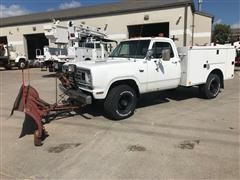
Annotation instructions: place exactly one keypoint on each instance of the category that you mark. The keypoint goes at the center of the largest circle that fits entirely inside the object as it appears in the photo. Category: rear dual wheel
(212, 87)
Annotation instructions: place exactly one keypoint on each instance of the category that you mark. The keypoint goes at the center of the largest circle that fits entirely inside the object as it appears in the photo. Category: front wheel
(22, 64)
(211, 89)
(120, 102)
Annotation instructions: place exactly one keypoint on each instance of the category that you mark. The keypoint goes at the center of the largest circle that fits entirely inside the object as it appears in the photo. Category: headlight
(88, 77)
(64, 68)
(72, 68)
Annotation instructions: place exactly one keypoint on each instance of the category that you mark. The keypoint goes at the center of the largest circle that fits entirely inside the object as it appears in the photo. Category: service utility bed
(198, 61)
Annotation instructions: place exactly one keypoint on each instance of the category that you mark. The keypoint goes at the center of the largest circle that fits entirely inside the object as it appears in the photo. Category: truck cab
(9, 57)
(157, 71)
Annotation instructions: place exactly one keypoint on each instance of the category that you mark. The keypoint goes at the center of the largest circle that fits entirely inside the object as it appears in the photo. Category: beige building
(176, 19)
(235, 34)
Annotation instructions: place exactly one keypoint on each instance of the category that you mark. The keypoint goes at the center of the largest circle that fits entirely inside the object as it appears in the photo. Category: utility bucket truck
(143, 65)
(54, 57)
(78, 42)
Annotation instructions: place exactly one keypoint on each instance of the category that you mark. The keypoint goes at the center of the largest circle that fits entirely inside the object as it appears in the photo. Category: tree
(221, 33)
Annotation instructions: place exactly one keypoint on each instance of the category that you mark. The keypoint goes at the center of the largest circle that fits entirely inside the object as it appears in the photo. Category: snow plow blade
(28, 101)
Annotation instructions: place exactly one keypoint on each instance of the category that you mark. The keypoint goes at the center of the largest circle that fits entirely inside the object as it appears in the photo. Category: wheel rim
(22, 65)
(214, 87)
(125, 103)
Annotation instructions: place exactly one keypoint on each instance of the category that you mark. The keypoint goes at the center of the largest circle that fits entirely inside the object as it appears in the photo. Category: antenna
(200, 5)
(105, 28)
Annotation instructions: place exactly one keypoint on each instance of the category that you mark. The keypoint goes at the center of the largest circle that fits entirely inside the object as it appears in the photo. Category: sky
(224, 11)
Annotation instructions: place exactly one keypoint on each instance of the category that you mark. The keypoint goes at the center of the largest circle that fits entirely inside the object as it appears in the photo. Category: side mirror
(149, 54)
(166, 55)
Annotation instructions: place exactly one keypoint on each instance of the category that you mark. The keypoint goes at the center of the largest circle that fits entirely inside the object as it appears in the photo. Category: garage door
(35, 41)
(149, 30)
(3, 39)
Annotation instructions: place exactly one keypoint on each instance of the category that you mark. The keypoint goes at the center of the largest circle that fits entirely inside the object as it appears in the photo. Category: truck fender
(20, 58)
(219, 73)
(131, 81)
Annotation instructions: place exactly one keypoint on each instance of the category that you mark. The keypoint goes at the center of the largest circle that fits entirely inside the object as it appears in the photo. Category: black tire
(120, 102)
(8, 67)
(212, 87)
(22, 63)
(50, 69)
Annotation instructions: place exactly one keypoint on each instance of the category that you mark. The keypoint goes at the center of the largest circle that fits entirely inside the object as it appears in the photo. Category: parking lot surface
(172, 135)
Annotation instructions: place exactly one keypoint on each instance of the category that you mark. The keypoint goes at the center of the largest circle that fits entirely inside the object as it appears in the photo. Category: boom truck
(142, 65)
(74, 43)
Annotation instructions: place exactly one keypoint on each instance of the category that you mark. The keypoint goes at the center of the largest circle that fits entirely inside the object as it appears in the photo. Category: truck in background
(51, 56)
(74, 43)
(9, 57)
(237, 60)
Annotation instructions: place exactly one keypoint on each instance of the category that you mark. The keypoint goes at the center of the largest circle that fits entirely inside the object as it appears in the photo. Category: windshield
(131, 49)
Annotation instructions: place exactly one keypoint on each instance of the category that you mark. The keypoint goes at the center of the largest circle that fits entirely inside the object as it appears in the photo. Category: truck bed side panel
(229, 67)
(198, 62)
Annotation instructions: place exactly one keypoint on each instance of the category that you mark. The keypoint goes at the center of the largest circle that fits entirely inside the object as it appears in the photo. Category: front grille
(78, 78)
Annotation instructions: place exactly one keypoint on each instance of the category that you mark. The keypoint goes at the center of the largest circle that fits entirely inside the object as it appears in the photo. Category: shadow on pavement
(146, 100)
(178, 94)
(96, 110)
(53, 75)
(28, 126)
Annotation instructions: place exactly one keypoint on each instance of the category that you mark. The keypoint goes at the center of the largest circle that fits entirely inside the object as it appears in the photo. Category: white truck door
(163, 74)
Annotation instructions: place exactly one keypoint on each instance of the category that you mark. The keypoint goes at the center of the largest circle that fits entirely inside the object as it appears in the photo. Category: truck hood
(103, 63)
(104, 73)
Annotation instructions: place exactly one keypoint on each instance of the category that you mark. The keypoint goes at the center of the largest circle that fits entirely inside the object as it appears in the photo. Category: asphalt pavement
(172, 135)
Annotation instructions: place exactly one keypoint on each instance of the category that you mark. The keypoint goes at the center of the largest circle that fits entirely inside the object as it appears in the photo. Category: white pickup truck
(143, 65)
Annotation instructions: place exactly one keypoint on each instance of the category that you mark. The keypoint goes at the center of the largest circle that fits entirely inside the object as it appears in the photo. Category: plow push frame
(29, 102)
